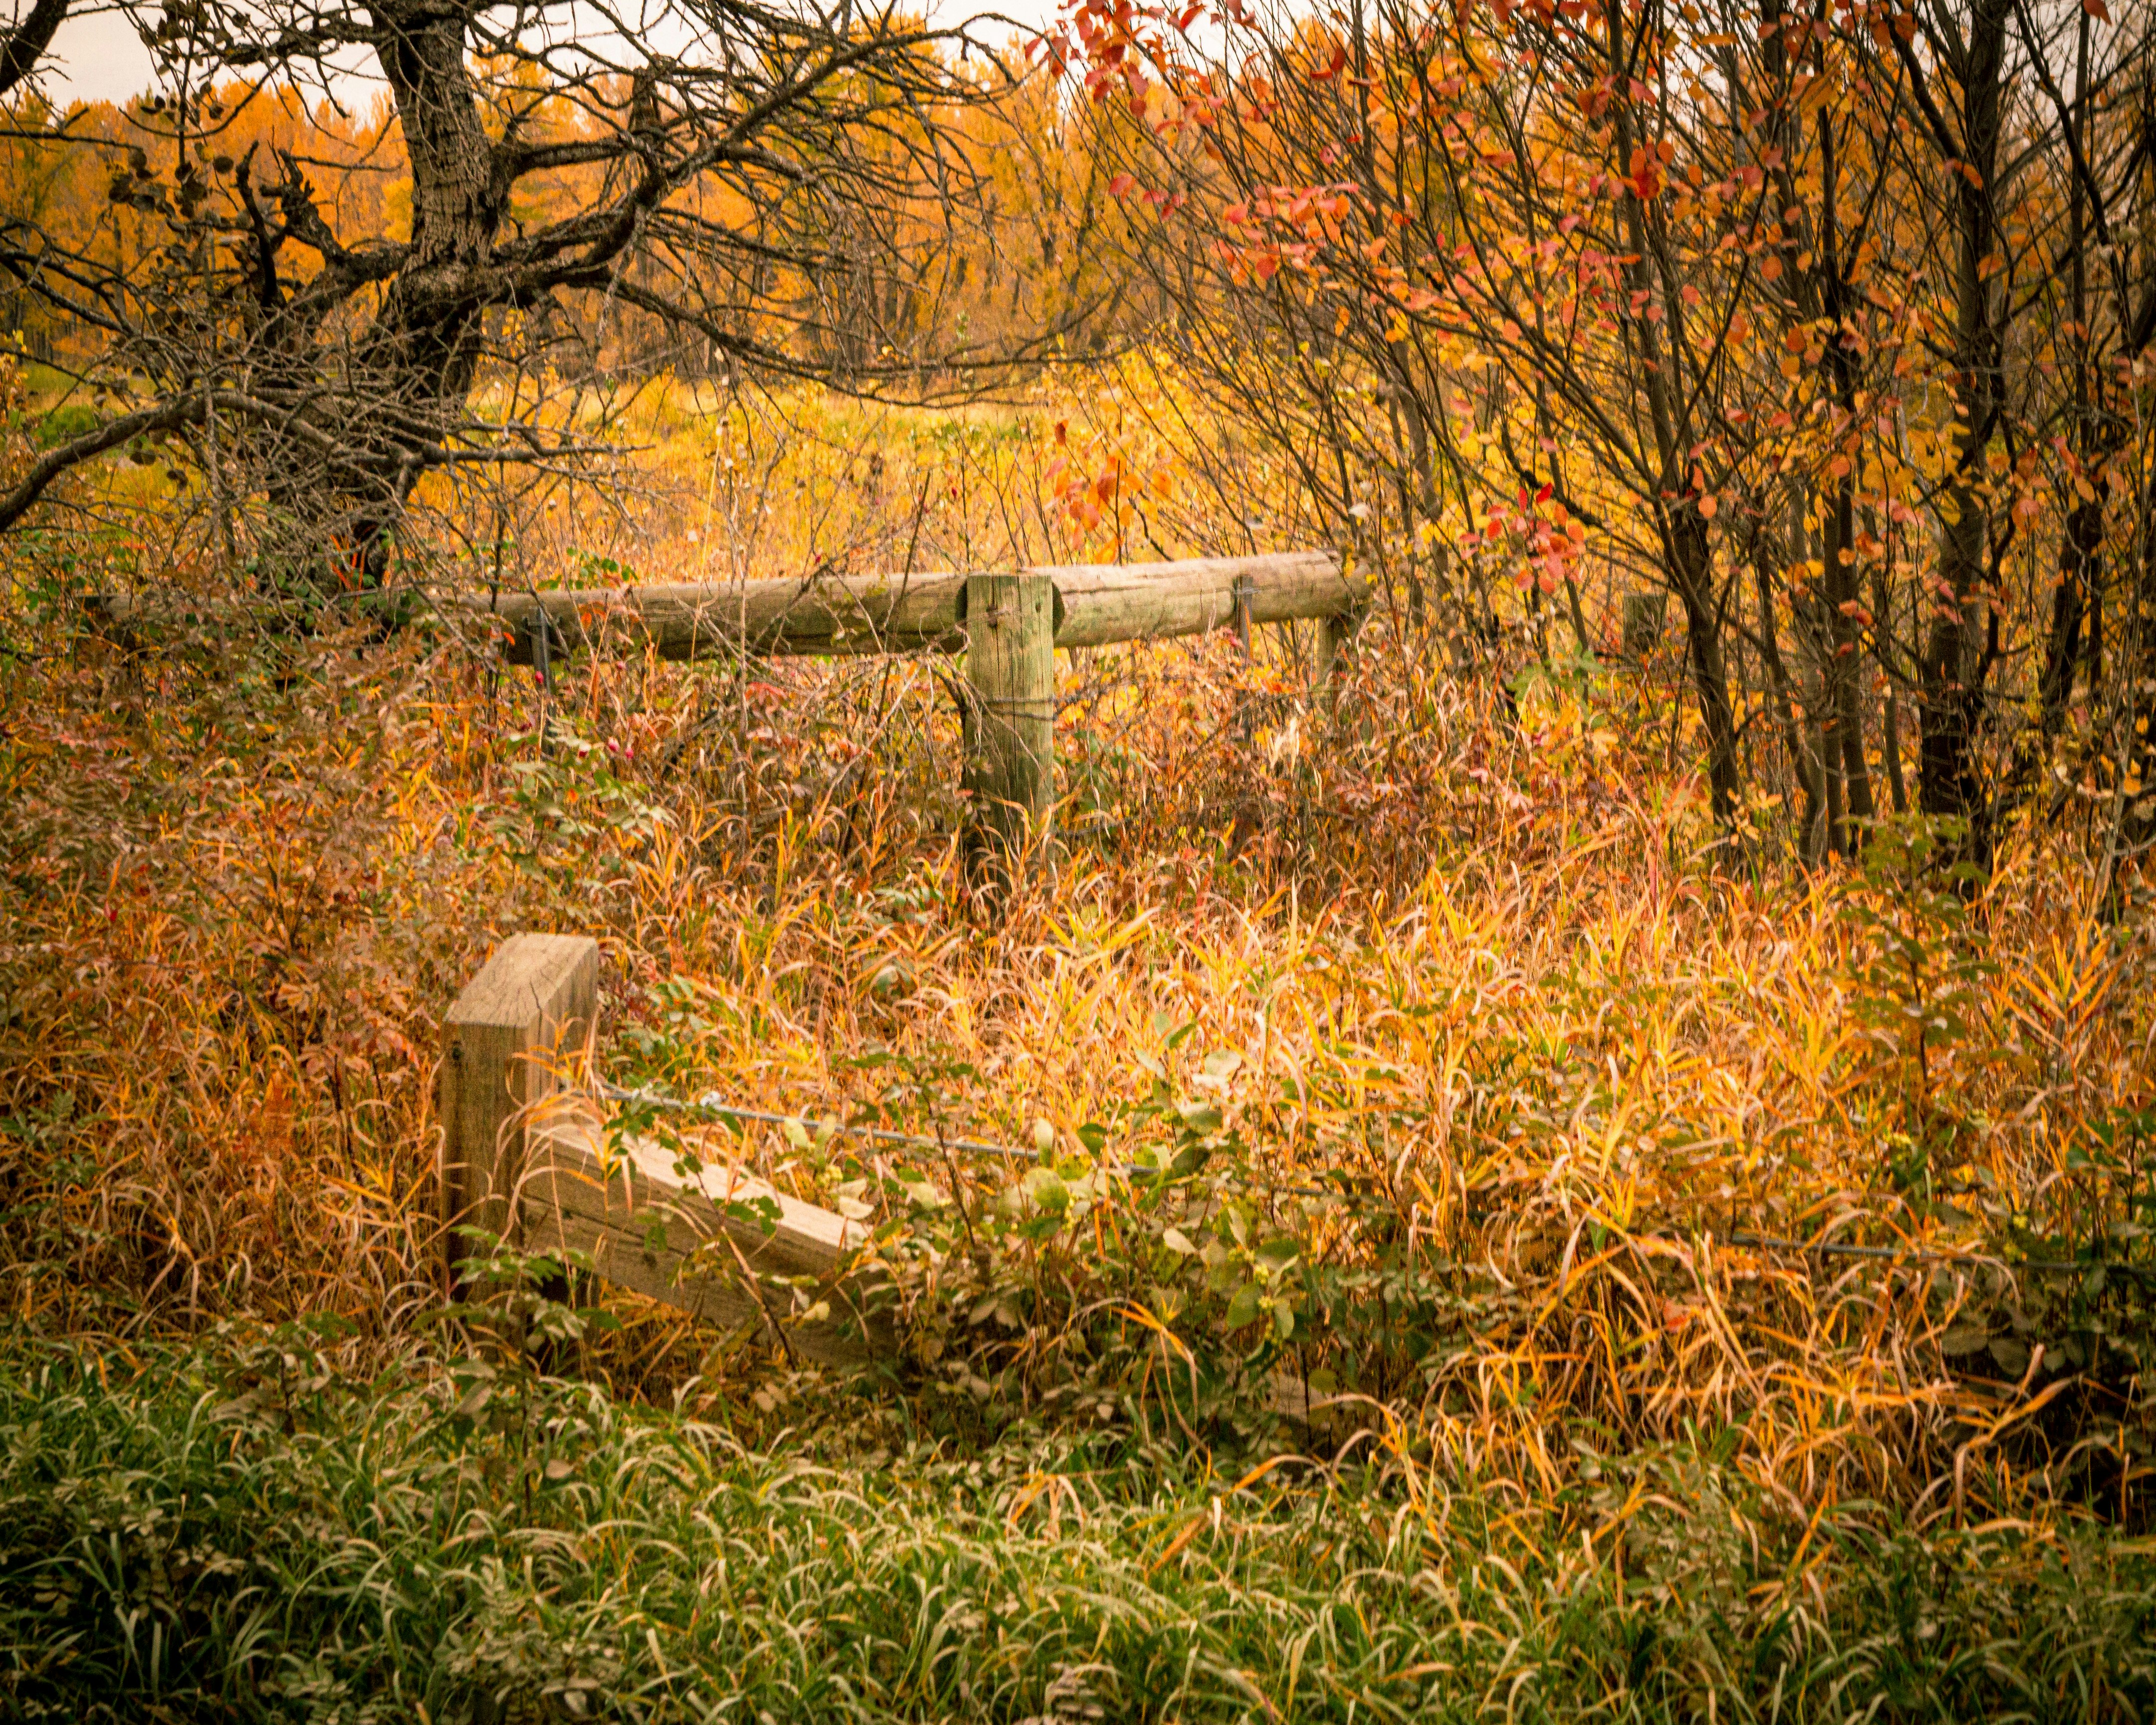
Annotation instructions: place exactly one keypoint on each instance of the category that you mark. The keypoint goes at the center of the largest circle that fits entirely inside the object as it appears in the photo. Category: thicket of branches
(1833, 323)
(772, 191)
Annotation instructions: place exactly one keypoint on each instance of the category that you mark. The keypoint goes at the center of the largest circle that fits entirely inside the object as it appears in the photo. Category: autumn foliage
(1585, 1036)
(1832, 325)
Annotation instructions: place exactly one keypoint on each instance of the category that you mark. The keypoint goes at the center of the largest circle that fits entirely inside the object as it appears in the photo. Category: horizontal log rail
(1096, 605)
(1008, 624)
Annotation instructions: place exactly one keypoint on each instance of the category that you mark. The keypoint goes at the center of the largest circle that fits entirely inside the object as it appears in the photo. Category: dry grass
(1460, 951)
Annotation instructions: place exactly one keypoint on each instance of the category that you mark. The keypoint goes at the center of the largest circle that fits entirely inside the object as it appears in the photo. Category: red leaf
(2097, 10)
(1120, 185)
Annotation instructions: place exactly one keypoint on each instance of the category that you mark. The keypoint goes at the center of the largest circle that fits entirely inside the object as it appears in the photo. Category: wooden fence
(531, 1163)
(1008, 626)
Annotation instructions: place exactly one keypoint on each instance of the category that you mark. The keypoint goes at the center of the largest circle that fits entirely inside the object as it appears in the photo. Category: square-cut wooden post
(538, 993)
(1010, 664)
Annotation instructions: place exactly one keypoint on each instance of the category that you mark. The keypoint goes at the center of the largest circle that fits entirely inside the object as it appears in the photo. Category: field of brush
(1730, 1281)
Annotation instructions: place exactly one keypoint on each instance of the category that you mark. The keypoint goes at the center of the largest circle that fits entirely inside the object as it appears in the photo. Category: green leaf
(1188, 1160)
(1244, 1307)
(1045, 1191)
(1199, 1116)
(760, 1213)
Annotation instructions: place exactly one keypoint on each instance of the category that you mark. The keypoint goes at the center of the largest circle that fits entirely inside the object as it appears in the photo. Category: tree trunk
(2074, 602)
(1688, 555)
(1953, 665)
(1692, 564)
(414, 364)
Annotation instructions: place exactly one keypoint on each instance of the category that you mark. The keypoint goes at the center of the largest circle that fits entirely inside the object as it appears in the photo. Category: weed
(243, 1530)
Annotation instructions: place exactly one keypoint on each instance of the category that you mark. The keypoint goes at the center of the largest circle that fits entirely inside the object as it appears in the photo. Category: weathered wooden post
(1010, 666)
(1336, 641)
(537, 993)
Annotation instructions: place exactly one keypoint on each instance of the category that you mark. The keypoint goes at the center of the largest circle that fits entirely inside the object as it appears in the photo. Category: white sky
(97, 56)
(97, 59)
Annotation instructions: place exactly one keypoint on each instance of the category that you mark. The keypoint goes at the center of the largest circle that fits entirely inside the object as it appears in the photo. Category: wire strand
(709, 1103)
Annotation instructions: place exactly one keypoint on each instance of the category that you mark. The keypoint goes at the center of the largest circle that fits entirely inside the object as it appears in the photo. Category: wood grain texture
(1107, 603)
(681, 1237)
(1098, 603)
(1010, 670)
(537, 995)
(833, 616)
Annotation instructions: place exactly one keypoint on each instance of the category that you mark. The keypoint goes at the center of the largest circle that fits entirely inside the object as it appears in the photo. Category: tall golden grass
(1461, 941)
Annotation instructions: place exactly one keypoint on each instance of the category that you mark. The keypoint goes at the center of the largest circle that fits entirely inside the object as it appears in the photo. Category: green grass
(236, 1531)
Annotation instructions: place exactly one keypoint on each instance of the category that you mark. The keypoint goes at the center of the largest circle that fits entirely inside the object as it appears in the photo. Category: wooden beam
(1010, 670)
(830, 618)
(1098, 603)
(1107, 603)
(695, 1238)
(1336, 646)
(537, 995)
